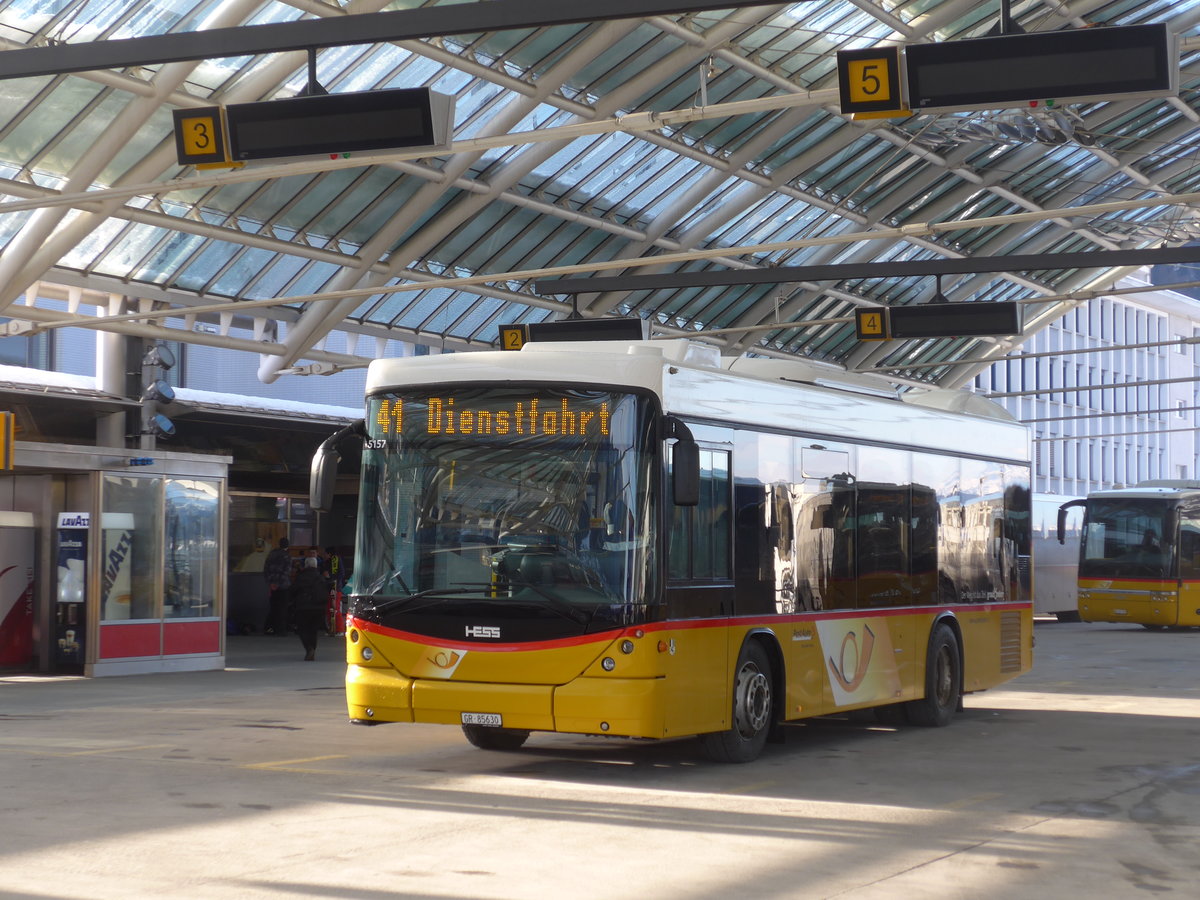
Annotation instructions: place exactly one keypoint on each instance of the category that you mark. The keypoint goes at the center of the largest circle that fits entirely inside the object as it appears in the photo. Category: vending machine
(16, 589)
(70, 613)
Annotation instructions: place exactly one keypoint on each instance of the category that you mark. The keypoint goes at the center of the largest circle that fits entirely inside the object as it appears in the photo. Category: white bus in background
(1055, 565)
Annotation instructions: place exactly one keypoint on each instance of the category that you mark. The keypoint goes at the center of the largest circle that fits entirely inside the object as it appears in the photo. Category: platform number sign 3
(199, 136)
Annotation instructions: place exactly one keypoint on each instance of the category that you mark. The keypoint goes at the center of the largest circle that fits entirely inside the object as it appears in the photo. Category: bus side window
(700, 534)
(1189, 549)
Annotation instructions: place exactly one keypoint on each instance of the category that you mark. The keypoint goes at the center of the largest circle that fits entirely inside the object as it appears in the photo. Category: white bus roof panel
(691, 383)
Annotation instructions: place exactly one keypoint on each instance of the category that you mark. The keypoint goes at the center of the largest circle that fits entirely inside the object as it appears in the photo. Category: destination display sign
(488, 416)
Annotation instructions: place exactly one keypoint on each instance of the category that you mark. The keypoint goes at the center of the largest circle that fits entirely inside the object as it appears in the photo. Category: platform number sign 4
(871, 324)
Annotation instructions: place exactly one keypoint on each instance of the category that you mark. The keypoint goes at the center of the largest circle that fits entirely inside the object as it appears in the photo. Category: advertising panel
(116, 553)
(70, 616)
(16, 589)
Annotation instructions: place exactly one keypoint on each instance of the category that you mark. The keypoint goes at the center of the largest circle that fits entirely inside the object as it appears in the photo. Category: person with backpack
(309, 595)
(277, 571)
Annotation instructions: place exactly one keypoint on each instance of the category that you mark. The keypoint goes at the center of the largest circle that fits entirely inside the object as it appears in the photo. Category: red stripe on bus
(1095, 584)
(579, 640)
(679, 625)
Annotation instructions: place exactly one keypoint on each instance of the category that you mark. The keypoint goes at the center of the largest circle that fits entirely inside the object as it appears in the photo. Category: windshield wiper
(439, 593)
(381, 582)
(558, 605)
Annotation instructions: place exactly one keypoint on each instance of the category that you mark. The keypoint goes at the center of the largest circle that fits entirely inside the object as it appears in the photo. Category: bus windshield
(506, 502)
(1128, 538)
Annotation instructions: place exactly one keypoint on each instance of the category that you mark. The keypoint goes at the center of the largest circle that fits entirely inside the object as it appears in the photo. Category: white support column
(110, 375)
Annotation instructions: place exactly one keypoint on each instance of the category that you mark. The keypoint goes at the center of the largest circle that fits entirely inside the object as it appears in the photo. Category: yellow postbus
(1139, 555)
(642, 539)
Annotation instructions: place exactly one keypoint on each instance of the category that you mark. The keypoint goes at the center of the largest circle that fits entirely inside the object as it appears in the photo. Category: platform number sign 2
(869, 80)
(513, 337)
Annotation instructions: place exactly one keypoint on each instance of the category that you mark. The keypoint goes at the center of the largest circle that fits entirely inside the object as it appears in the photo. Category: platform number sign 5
(869, 80)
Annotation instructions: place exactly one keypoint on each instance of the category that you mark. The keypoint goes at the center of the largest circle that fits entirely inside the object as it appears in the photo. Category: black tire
(1070, 615)
(753, 710)
(1149, 627)
(485, 738)
(943, 681)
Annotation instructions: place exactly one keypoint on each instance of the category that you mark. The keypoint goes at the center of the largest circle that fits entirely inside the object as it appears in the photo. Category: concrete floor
(1081, 779)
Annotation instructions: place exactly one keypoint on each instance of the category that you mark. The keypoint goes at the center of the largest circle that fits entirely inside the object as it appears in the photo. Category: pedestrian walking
(309, 595)
(277, 571)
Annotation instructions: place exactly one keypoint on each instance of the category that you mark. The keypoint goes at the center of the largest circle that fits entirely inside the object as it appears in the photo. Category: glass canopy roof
(443, 248)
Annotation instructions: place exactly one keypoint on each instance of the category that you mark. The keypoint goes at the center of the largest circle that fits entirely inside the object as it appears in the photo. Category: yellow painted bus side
(674, 679)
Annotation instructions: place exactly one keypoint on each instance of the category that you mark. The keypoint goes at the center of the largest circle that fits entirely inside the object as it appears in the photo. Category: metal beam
(1083, 389)
(338, 31)
(1022, 357)
(1118, 434)
(1091, 259)
(1131, 413)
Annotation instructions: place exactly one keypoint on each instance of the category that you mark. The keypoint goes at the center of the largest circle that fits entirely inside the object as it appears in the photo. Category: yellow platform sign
(7, 430)
(869, 81)
(513, 337)
(200, 137)
(871, 324)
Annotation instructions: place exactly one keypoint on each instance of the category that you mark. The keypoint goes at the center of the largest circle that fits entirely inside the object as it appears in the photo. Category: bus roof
(692, 380)
(1150, 490)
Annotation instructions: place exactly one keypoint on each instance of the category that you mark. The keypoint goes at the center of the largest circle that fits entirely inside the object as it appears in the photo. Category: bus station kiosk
(117, 561)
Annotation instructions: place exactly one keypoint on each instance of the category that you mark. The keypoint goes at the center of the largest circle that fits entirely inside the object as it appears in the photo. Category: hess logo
(483, 631)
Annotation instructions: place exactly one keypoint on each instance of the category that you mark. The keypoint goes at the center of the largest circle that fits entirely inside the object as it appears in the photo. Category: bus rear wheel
(486, 738)
(943, 681)
(753, 710)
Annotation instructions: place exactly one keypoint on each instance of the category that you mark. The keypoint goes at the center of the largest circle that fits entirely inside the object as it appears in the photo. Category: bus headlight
(368, 654)
(608, 664)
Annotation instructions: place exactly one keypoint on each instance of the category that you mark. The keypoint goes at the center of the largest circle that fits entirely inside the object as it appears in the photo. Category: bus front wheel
(486, 738)
(943, 681)
(753, 709)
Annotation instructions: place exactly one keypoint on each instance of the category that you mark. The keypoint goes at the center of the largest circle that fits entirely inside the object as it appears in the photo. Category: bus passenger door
(1189, 564)
(699, 595)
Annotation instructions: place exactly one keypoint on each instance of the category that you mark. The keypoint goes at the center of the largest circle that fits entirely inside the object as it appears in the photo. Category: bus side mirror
(685, 473)
(323, 474)
(321, 478)
(685, 464)
(1062, 518)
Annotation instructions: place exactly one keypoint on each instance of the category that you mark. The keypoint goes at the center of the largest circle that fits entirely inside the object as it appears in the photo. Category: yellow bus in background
(1139, 556)
(643, 539)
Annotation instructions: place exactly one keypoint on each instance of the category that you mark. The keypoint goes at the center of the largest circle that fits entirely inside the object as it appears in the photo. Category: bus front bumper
(1140, 608)
(629, 707)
